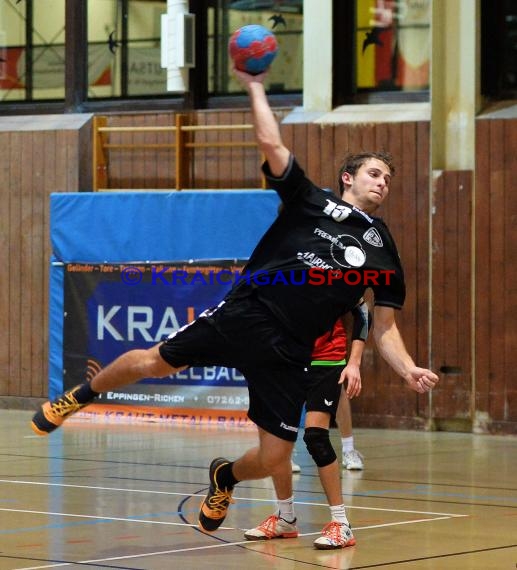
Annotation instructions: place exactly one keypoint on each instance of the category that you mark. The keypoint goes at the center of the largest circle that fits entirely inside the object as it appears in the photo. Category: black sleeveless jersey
(317, 259)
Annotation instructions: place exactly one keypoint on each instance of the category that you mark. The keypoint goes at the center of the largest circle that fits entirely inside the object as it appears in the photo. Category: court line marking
(210, 546)
(435, 516)
(251, 499)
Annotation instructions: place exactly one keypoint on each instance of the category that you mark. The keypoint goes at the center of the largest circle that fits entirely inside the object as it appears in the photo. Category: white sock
(347, 443)
(338, 514)
(286, 509)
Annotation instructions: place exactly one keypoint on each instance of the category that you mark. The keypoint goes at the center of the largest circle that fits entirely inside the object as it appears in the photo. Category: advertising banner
(112, 308)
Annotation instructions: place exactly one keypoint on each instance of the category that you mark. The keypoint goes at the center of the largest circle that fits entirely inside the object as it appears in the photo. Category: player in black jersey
(311, 266)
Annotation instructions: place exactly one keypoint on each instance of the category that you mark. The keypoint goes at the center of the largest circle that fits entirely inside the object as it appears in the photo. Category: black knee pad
(318, 445)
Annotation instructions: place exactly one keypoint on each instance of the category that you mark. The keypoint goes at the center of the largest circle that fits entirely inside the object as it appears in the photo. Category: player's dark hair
(353, 162)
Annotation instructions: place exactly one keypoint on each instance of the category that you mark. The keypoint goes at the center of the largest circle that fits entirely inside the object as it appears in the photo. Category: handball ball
(252, 48)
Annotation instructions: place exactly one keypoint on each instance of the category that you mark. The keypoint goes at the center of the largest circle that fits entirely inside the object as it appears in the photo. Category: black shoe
(52, 414)
(215, 506)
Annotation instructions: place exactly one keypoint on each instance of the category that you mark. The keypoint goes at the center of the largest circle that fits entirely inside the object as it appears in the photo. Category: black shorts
(323, 390)
(242, 333)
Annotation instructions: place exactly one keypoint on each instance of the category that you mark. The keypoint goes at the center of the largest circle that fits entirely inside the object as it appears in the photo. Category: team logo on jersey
(373, 237)
(346, 251)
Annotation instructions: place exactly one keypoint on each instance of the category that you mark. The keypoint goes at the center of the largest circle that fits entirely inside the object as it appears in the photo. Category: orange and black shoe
(52, 414)
(215, 506)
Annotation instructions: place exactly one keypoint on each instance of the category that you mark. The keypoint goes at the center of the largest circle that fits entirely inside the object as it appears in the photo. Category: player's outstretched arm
(391, 346)
(267, 131)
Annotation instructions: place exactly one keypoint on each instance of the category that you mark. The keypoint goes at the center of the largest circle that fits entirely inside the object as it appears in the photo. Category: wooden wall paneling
(162, 159)
(410, 239)
(113, 162)
(407, 218)
(141, 157)
(378, 375)
(450, 251)
(341, 147)
(70, 161)
(354, 138)
(17, 161)
(54, 172)
(328, 172)
(149, 155)
(391, 209)
(237, 152)
(7, 195)
(497, 267)
(392, 396)
(228, 154)
(439, 338)
(463, 268)
(123, 159)
(198, 167)
(288, 133)
(62, 178)
(483, 352)
(421, 282)
(254, 158)
(340, 143)
(152, 156)
(43, 155)
(313, 160)
(170, 176)
(248, 156)
(510, 208)
(451, 300)
(382, 134)
(135, 173)
(213, 162)
(84, 149)
(29, 178)
(117, 159)
(368, 137)
(300, 146)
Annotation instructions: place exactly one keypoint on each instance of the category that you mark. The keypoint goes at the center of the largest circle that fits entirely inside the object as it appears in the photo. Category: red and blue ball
(253, 48)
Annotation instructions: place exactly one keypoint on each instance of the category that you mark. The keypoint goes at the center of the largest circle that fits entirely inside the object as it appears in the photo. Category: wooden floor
(127, 497)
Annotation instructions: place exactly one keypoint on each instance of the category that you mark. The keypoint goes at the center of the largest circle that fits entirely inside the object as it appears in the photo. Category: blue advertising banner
(112, 308)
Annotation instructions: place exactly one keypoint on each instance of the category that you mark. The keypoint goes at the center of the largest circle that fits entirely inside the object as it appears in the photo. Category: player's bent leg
(127, 369)
(271, 457)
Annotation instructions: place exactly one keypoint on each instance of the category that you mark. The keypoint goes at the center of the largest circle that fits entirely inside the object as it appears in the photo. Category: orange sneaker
(273, 527)
(52, 414)
(335, 535)
(215, 506)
